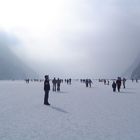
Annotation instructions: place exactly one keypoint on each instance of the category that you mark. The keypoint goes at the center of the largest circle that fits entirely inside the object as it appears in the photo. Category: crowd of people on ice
(56, 84)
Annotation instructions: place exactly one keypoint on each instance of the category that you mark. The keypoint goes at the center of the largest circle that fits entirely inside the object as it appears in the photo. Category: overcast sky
(74, 37)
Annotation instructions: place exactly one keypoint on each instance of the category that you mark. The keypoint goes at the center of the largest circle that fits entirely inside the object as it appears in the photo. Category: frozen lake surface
(76, 113)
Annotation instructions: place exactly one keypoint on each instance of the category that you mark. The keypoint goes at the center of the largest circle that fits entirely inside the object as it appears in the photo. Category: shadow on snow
(60, 92)
(58, 109)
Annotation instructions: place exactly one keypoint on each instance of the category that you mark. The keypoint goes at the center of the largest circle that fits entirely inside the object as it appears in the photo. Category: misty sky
(74, 37)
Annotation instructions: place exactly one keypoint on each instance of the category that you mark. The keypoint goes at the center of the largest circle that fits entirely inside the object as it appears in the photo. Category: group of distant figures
(33, 80)
(56, 83)
(56, 87)
(117, 84)
(88, 82)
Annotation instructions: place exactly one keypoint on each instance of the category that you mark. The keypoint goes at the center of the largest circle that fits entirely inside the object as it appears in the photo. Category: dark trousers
(54, 87)
(114, 89)
(58, 88)
(46, 97)
(124, 85)
(118, 87)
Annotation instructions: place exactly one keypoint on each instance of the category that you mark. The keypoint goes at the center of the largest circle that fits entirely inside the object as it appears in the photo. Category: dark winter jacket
(114, 85)
(118, 82)
(46, 85)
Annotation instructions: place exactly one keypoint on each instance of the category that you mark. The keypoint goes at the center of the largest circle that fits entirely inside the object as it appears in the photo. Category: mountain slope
(11, 67)
(136, 72)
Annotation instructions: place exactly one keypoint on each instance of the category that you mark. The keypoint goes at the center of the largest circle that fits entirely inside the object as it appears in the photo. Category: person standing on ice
(54, 82)
(86, 82)
(46, 89)
(108, 82)
(58, 84)
(114, 86)
(90, 82)
(124, 81)
(118, 83)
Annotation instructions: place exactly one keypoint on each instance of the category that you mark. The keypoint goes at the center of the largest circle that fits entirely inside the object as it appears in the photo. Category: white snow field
(76, 113)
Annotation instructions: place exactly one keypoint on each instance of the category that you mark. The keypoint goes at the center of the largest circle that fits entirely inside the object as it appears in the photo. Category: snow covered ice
(76, 113)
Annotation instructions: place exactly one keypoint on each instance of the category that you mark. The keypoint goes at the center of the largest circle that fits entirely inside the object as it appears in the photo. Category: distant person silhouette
(54, 81)
(70, 81)
(86, 81)
(104, 82)
(108, 82)
(46, 89)
(58, 84)
(90, 82)
(27, 81)
(124, 81)
(67, 81)
(118, 83)
(114, 86)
